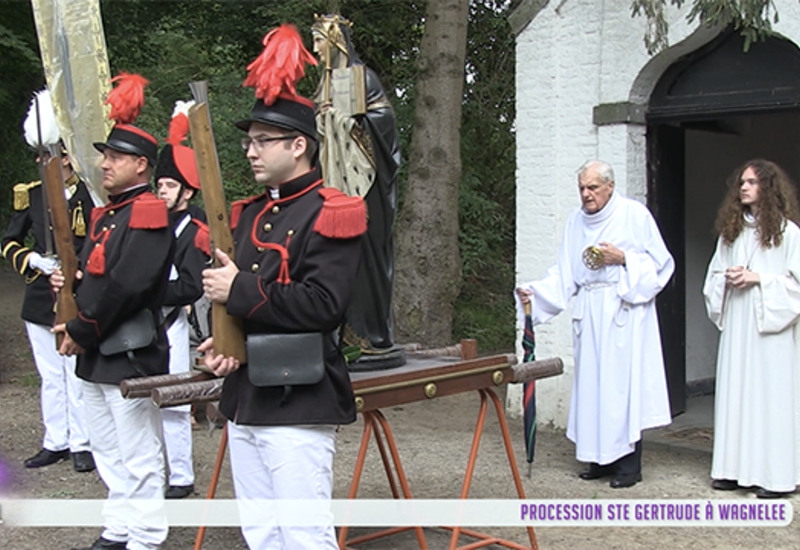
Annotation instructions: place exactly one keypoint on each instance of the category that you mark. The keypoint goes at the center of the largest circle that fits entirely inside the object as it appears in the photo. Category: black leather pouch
(136, 333)
(285, 359)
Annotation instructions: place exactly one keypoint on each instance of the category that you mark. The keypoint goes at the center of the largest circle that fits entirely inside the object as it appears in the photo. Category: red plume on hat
(179, 125)
(281, 64)
(176, 160)
(127, 98)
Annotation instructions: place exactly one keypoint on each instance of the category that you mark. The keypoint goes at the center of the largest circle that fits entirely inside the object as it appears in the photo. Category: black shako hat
(177, 162)
(290, 112)
(129, 139)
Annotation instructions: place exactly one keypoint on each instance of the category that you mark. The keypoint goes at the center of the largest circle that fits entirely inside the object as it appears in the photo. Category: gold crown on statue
(329, 26)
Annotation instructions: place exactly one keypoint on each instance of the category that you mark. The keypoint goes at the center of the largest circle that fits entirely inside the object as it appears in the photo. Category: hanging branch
(753, 18)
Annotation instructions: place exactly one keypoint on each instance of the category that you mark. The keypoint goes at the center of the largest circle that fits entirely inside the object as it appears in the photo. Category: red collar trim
(269, 205)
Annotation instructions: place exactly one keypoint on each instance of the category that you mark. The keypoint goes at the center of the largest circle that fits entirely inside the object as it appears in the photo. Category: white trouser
(129, 453)
(177, 420)
(284, 462)
(61, 394)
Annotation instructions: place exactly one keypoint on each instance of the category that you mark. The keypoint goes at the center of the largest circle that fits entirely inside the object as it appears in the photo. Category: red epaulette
(341, 217)
(237, 207)
(149, 212)
(202, 239)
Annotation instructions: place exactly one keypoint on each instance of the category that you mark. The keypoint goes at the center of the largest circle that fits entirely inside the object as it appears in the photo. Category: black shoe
(724, 484)
(83, 461)
(621, 481)
(105, 544)
(46, 457)
(596, 471)
(179, 491)
(766, 493)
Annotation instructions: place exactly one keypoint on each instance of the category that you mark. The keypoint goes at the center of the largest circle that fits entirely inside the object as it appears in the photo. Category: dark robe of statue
(369, 317)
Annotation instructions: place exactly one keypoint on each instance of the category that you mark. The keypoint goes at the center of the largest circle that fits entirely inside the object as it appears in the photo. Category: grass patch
(490, 322)
(30, 380)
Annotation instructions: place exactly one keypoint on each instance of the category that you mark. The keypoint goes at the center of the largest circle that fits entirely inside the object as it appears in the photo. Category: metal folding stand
(486, 540)
(212, 487)
(423, 378)
(375, 422)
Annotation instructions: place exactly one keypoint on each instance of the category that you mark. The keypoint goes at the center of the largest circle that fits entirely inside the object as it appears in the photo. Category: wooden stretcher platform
(423, 378)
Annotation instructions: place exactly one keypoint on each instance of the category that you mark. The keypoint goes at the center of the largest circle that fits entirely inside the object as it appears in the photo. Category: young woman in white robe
(752, 294)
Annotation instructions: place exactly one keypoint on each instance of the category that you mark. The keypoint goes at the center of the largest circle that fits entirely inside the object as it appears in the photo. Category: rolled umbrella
(529, 389)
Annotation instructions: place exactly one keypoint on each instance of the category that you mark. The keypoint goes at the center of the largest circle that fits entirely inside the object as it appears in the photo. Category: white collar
(604, 213)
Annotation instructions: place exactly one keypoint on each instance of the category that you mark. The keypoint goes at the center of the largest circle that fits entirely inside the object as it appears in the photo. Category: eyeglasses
(260, 142)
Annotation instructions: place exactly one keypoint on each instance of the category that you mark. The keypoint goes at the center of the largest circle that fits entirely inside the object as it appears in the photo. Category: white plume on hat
(182, 107)
(49, 128)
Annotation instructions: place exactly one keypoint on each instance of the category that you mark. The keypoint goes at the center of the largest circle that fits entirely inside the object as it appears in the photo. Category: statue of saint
(360, 155)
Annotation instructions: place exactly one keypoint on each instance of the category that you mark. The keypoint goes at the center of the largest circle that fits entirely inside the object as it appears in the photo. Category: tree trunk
(428, 263)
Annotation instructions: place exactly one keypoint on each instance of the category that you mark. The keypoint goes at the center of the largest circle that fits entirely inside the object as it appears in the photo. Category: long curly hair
(777, 204)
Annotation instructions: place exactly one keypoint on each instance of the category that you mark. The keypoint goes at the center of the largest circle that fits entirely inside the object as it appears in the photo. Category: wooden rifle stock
(66, 308)
(226, 329)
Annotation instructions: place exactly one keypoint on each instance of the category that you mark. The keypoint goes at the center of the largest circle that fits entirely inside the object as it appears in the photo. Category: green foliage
(176, 42)
(173, 43)
(484, 309)
(186, 42)
(487, 210)
(22, 71)
(753, 18)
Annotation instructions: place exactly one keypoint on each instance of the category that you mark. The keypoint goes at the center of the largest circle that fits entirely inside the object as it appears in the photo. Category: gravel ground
(434, 439)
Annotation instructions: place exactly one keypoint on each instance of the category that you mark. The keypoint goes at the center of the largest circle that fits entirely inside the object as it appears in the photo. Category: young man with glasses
(297, 252)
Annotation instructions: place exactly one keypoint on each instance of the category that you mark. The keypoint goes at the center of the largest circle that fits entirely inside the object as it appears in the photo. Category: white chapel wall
(571, 57)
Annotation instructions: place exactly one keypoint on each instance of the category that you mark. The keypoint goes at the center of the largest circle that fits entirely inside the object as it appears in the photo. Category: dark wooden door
(666, 197)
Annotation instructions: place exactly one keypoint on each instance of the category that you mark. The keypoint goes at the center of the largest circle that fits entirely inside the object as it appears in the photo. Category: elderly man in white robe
(752, 293)
(614, 262)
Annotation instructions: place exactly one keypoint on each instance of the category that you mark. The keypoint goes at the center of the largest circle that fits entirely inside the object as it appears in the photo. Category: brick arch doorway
(711, 110)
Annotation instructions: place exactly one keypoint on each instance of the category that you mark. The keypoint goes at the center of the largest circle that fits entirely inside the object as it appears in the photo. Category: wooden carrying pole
(226, 329)
(189, 391)
(536, 370)
(144, 386)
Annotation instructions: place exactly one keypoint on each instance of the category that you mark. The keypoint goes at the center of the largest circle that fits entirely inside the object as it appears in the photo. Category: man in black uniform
(125, 267)
(298, 248)
(61, 396)
(176, 183)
